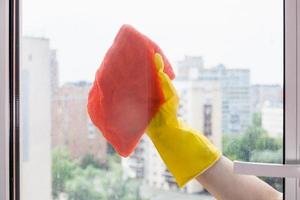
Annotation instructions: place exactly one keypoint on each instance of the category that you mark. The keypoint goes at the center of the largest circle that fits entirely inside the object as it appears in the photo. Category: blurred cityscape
(66, 157)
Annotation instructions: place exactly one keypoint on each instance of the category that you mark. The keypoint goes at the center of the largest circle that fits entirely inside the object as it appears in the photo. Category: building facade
(35, 127)
(54, 75)
(235, 91)
(260, 94)
(134, 165)
(272, 119)
(71, 125)
(268, 101)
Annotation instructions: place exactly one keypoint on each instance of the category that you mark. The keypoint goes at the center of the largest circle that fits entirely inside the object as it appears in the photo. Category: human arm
(224, 184)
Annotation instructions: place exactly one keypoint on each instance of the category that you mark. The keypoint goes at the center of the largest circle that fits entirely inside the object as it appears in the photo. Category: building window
(207, 112)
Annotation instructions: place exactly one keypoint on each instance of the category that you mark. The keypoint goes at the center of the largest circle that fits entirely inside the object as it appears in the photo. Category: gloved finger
(169, 90)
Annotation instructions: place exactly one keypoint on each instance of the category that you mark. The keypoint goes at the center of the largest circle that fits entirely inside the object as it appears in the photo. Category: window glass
(228, 59)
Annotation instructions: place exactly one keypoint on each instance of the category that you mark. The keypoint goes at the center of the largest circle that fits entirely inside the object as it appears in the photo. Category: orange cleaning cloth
(126, 93)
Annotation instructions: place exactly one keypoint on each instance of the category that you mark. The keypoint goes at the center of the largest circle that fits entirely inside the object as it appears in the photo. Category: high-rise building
(235, 91)
(54, 78)
(134, 165)
(268, 100)
(189, 67)
(35, 127)
(200, 106)
(71, 125)
(155, 169)
(272, 119)
(260, 94)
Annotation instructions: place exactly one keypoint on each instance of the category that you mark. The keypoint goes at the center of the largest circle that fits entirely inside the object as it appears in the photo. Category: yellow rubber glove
(186, 153)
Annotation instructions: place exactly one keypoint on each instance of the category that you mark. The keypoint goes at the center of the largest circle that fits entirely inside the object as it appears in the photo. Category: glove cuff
(186, 153)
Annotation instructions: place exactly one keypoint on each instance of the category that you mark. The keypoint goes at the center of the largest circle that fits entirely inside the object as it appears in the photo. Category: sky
(236, 33)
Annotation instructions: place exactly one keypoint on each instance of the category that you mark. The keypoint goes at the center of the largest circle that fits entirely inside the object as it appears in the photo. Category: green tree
(82, 186)
(89, 159)
(254, 140)
(91, 181)
(62, 170)
(94, 183)
(255, 145)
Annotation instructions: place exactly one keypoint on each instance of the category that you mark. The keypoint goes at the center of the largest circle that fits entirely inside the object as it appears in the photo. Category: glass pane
(228, 58)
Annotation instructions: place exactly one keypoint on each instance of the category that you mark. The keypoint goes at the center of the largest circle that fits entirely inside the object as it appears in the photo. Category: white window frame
(9, 100)
(292, 92)
(4, 101)
(291, 99)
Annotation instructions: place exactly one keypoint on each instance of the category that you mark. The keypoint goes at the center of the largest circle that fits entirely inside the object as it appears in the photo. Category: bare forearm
(221, 182)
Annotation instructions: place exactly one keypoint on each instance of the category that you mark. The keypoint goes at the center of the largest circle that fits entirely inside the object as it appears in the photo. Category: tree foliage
(63, 168)
(88, 180)
(255, 145)
(89, 159)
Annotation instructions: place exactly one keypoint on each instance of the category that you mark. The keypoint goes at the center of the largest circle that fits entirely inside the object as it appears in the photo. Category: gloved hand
(185, 152)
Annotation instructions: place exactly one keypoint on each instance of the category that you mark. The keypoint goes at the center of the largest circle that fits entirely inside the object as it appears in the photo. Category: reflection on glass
(238, 105)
